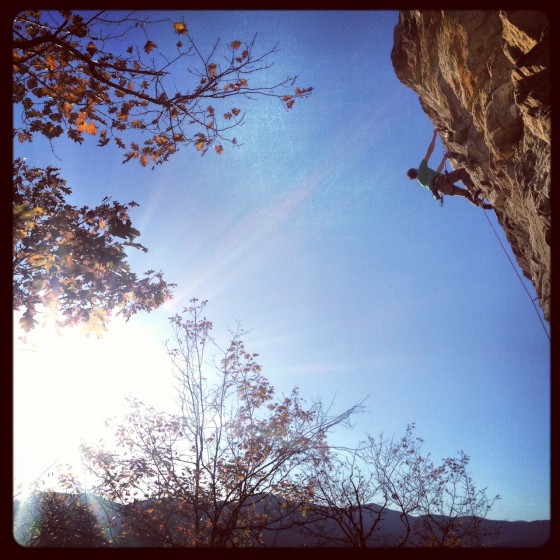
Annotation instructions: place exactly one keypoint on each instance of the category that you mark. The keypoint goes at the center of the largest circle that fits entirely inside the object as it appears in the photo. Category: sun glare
(67, 384)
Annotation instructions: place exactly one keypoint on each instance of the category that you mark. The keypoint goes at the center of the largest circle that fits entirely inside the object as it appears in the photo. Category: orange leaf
(50, 62)
(235, 44)
(200, 145)
(149, 46)
(212, 69)
(143, 160)
(66, 108)
(84, 126)
(180, 28)
(91, 128)
(235, 112)
(218, 149)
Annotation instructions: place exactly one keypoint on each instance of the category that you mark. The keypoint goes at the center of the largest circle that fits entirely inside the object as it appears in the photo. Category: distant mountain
(289, 531)
(501, 534)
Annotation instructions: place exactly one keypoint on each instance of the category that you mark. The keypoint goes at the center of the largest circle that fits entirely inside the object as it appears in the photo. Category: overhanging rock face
(483, 79)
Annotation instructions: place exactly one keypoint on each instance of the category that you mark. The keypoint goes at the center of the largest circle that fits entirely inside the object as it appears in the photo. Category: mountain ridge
(110, 515)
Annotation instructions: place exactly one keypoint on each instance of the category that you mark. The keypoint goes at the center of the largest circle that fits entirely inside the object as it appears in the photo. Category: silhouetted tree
(51, 519)
(213, 474)
(72, 261)
(438, 505)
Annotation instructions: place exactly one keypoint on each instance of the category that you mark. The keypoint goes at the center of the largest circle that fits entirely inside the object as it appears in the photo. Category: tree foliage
(73, 260)
(51, 519)
(72, 75)
(237, 466)
(99, 74)
(213, 472)
(346, 495)
(438, 505)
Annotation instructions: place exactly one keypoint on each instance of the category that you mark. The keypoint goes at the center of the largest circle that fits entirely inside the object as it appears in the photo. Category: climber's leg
(463, 176)
(445, 187)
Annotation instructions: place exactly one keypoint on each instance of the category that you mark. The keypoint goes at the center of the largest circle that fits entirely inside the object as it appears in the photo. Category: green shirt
(425, 174)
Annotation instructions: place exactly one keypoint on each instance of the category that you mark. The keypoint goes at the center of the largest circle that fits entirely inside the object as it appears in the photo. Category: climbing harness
(435, 193)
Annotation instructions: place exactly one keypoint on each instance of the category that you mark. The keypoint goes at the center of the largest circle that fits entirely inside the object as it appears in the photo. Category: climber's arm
(431, 147)
(442, 164)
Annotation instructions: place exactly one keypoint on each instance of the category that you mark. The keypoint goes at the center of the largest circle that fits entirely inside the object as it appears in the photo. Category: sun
(67, 384)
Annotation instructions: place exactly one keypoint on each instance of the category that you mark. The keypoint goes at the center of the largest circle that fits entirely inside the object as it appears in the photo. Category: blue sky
(351, 279)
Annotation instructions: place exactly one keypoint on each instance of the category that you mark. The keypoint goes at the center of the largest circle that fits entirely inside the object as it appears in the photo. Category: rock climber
(443, 183)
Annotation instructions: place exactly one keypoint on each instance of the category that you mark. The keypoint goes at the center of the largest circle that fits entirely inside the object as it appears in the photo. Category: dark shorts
(445, 187)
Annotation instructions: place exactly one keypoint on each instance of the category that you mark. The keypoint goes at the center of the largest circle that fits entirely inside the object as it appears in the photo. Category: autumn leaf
(219, 149)
(149, 46)
(199, 145)
(50, 62)
(27, 321)
(95, 324)
(67, 108)
(90, 128)
(143, 160)
(83, 126)
(180, 28)
(37, 260)
(129, 86)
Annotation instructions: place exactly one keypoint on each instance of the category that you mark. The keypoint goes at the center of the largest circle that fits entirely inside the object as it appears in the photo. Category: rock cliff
(483, 79)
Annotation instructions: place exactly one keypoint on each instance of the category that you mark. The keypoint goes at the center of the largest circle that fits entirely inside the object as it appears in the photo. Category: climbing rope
(512, 265)
(518, 276)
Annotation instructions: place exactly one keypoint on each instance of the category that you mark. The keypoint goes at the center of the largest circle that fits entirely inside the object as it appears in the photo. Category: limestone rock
(483, 79)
